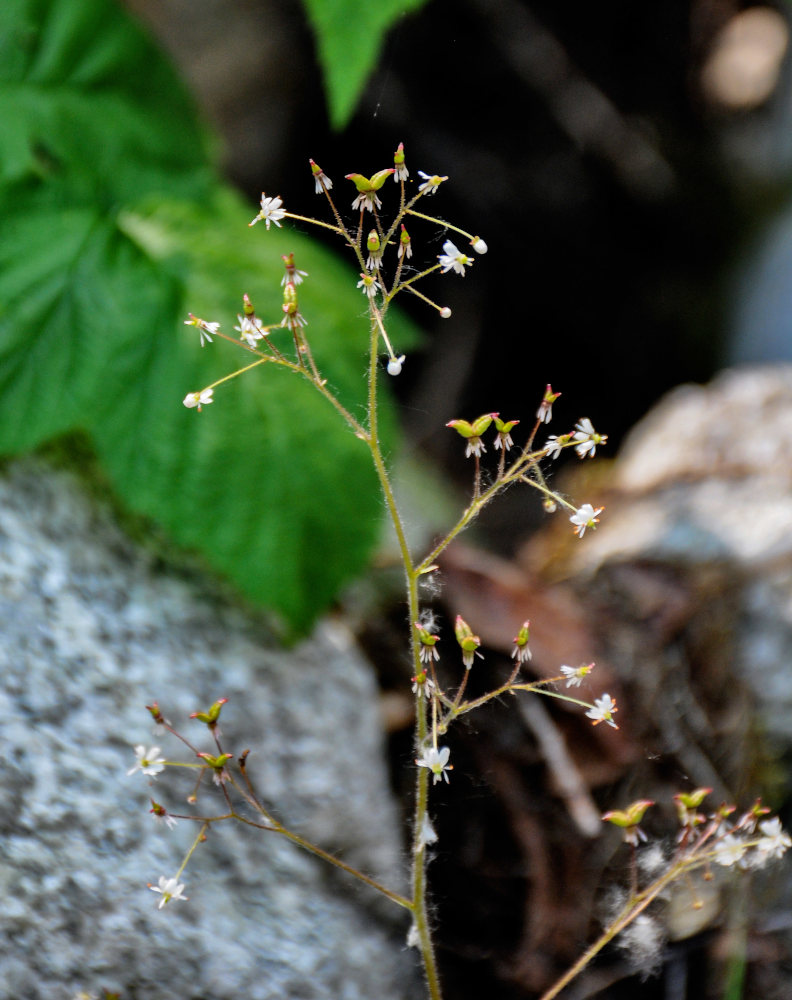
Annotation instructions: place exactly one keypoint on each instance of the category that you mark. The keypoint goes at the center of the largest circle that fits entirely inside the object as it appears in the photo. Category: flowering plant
(383, 249)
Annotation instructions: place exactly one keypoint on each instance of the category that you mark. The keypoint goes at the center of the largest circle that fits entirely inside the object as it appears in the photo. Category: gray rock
(703, 482)
(94, 629)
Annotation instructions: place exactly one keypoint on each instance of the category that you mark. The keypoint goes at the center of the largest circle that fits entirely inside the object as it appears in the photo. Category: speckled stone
(95, 628)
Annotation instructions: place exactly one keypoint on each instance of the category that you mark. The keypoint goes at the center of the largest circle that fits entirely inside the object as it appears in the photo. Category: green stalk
(419, 907)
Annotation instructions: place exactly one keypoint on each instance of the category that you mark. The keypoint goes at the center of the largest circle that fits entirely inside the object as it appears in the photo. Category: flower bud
(156, 714)
(395, 365)
(479, 245)
(468, 642)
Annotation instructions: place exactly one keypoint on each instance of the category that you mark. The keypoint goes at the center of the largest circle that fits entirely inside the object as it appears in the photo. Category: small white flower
(545, 412)
(431, 182)
(321, 181)
(271, 211)
(161, 815)
(294, 275)
(148, 761)
(205, 330)
(602, 710)
(292, 316)
(425, 687)
(170, 888)
(413, 937)
(437, 762)
(426, 836)
(428, 653)
(553, 446)
(521, 653)
(585, 517)
(451, 257)
(198, 399)
(775, 840)
(588, 438)
(729, 851)
(574, 675)
(475, 446)
(367, 199)
(395, 365)
(368, 285)
(250, 329)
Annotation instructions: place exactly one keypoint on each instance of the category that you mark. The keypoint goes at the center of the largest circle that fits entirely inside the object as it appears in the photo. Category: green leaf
(87, 101)
(349, 37)
(114, 228)
(272, 485)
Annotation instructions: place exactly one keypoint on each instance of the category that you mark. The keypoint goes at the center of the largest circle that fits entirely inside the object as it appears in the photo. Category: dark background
(618, 197)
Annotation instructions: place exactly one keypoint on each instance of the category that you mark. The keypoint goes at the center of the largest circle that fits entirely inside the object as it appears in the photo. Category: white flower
(588, 438)
(321, 180)
(437, 762)
(249, 329)
(602, 710)
(413, 937)
(205, 330)
(170, 888)
(367, 199)
(451, 257)
(729, 851)
(292, 316)
(271, 211)
(294, 275)
(198, 399)
(161, 815)
(426, 836)
(431, 182)
(148, 761)
(425, 687)
(395, 365)
(521, 653)
(368, 285)
(574, 675)
(775, 839)
(553, 446)
(427, 653)
(479, 245)
(585, 517)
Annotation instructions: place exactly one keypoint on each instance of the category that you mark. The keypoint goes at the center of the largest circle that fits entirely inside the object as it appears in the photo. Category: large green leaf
(271, 483)
(89, 103)
(349, 37)
(113, 229)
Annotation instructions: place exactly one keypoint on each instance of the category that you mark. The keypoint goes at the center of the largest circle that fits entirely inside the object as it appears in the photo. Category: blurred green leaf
(349, 37)
(111, 234)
